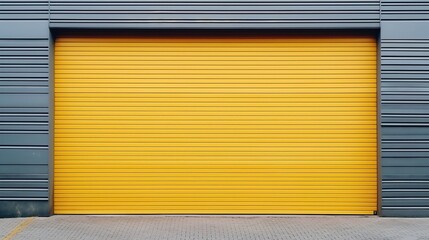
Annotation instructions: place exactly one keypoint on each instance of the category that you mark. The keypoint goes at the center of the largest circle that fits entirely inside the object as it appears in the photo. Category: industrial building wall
(32, 10)
(24, 107)
(216, 14)
(404, 107)
(24, 84)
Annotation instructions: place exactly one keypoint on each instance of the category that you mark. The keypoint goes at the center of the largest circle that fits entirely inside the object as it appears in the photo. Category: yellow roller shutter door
(215, 125)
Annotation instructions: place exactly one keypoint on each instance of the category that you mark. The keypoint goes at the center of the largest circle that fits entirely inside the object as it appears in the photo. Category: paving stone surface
(219, 227)
(7, 225)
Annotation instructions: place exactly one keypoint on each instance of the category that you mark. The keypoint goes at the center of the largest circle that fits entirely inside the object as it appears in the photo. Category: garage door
(215, 125)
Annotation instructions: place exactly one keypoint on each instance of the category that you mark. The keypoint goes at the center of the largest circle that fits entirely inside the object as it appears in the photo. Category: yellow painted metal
(215, 125)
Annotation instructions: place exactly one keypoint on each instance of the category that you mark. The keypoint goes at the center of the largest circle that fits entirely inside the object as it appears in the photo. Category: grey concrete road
(214, 227)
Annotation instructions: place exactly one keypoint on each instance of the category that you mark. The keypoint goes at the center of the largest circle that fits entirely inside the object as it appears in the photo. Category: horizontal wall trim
(37, 30)
(220, 26)
(23, 199)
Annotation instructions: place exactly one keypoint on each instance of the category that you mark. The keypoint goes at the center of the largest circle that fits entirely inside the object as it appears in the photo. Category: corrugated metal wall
(405, 117)
(24, 9)
(24, 102)
(24, 32)
(216, 13)
(405, 10)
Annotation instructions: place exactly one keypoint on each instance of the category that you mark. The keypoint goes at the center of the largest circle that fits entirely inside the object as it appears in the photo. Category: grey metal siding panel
(24, 10)
(215, 14)
(405, 117)
(404, 10)
(24, 73)
(24, 104)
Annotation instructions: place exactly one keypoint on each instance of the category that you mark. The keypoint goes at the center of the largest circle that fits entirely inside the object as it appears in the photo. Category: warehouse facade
(214, 107)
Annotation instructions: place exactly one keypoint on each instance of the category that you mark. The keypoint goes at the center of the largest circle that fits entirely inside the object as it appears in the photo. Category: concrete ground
(213, 227)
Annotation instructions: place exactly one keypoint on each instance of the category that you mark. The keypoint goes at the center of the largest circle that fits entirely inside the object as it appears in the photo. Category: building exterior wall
(404, 109)
(24, 107)
(25, 82)
(215, 14)
(18, 10)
